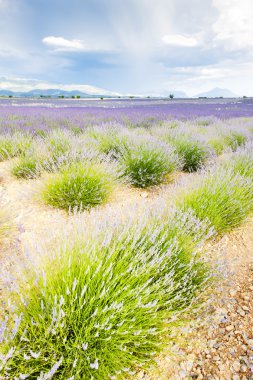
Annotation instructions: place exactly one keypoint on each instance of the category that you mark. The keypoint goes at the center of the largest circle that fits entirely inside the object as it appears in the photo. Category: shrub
(58, 143)
(221, 196)
(103, 309)
(147, 162)
(242, 161)
(78, 186)
(235, 140)
(109, 141)
(193, 153)
(13, 145)
(218, 144)
(27, 167)
(6, 148)
(22, 143)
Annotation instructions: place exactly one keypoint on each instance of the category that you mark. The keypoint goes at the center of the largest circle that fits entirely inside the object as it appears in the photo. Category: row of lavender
(87, 164)
(103, 304)
(109, 153)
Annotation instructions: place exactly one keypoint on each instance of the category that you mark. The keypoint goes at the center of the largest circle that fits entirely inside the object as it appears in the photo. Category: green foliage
(78, 186)
(148, 162)
(27, 167)
(223, 197)
(241, 162)
(14, 145)
(109, 141)
(218, 144)
(193, 153)
(6, 148)
(235, 140)
(58, 143)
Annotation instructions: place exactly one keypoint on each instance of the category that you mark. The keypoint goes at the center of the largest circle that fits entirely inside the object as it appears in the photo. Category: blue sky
(127, 46)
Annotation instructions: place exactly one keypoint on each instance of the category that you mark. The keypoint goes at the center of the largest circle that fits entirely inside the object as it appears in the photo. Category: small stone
(241, 312)
(229, 327)
(236, 366)
(245, 308)
(216, 358)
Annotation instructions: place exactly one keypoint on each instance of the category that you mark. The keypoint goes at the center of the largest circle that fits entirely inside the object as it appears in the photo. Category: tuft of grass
(28, 167)
(193, 153)
(234, 140)
(147, 162)
(109, 141)
(14, 145)
(222, 196)
(102, 304)
(78, 186)
(58, 143)
(218, 144)
(242, 161)
(6, 148)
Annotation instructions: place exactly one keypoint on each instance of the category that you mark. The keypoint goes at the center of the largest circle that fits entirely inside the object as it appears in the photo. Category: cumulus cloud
(60, 43)
(179, 40)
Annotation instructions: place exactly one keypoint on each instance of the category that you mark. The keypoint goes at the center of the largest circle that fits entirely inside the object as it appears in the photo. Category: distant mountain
(6, 93)
(54, 93)
(217, 93)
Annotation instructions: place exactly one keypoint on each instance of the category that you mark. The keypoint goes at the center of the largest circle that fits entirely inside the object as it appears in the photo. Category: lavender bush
(78, 186)
(222, 196)
(103, 309)
(146, 162)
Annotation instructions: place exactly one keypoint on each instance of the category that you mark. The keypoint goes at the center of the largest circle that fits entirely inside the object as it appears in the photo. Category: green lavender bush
(78, 186)
(147, 162)
(103, 303)
(194, 153)
(222, 196)
(27, 167)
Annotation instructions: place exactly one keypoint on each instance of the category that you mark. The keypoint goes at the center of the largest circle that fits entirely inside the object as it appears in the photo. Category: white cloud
(62, 44)
(234, 26)
(180, 40)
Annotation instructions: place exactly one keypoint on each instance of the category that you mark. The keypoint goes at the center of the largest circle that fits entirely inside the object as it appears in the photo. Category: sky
(149, 47)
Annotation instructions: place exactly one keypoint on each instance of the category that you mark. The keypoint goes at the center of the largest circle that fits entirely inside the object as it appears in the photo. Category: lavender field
(111, 211)
(82, 112)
